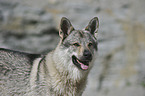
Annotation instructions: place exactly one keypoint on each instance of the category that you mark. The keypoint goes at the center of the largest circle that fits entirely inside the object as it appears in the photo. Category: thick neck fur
(65, 80)
(57, 75)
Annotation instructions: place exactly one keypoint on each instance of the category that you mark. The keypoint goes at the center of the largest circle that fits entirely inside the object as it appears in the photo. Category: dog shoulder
(29, 56)
(10, 59)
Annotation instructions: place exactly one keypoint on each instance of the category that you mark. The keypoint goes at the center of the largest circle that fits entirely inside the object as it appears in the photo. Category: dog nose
(87, 54)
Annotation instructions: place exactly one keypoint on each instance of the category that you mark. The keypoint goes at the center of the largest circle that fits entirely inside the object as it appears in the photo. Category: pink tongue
(83, 66)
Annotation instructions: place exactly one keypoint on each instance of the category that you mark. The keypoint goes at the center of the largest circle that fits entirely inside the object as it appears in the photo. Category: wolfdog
(62, 72)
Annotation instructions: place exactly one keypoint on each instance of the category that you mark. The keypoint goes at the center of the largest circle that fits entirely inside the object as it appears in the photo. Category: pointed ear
(65, 28)
(93, 26)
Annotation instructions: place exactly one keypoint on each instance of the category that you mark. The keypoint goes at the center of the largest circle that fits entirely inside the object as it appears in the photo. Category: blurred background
(119, 70)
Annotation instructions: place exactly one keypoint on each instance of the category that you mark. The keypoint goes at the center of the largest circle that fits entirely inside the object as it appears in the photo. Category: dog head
(78, 47)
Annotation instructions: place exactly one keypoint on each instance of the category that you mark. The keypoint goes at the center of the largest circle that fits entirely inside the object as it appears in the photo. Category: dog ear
(93, 26)
(65, 28)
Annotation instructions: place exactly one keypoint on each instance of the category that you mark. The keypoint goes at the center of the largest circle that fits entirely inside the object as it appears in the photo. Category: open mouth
(82, 64)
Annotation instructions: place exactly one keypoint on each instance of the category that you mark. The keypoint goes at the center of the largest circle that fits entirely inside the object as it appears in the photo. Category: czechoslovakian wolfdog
(62, 72)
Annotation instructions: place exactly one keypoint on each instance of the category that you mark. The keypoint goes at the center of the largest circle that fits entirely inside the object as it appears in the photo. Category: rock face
(119, 70)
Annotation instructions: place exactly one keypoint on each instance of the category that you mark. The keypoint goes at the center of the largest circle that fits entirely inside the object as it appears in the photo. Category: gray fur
(61, 72)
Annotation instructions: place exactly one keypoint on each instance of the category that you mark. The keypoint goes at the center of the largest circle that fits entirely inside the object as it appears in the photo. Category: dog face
(79, 46)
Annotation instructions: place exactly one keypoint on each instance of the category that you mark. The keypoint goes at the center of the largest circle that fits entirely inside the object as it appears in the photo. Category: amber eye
(76, 44)
(90, 44)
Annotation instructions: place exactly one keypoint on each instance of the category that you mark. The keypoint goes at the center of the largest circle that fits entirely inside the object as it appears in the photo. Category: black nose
(87, 54)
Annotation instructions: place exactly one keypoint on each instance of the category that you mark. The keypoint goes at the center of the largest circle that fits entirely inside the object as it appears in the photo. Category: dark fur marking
(66, 44)
(32, 57)
(40, 62)
(81, 34)
(95, 45)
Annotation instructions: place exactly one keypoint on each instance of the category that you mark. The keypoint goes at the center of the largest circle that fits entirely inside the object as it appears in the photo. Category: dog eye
(90, 44)
(76, 44)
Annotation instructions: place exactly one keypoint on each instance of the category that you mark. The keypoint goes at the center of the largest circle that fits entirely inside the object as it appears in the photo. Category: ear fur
(93, 26)
(65, 28)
